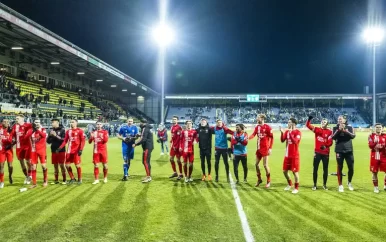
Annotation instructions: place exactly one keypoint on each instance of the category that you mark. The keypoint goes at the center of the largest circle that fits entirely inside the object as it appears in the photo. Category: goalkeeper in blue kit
(127, 133)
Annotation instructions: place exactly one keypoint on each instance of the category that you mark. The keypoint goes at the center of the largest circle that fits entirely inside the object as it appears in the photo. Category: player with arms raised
(323, 142)
(292, 137)
(175, 131)
(37, 137)
(377, 145)
(100, 138)
(22, 144)
(76, 140)
(264, 147)
(188, 139)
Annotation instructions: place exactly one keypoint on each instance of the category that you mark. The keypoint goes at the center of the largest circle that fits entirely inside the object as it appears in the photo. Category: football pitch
(170, 210)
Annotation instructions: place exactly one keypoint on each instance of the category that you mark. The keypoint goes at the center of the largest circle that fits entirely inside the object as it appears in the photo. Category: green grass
(167, 210)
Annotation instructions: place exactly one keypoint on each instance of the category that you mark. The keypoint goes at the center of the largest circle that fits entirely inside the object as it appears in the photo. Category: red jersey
(187, 139)
(323, 137)
(292, 138)
(100, 138)
(18, 132)
(5, 138)
(75, 139)
(375, 139)
(37, 140)
(264, 136)
(175, 131)
(162, 134)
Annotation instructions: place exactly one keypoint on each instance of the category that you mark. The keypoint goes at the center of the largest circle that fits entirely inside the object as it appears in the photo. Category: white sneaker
(191, 179)
(105, 180)
(295, 191)
(1, 184)
(350, 187)
(313, 188)
(384, 187)
(287, 188)
(25, 180)
(95, 182)
(29, 179)
(341, 188)
(376, 189)
(186, 179)
(148, 179)
(268, 185)
(162, 153)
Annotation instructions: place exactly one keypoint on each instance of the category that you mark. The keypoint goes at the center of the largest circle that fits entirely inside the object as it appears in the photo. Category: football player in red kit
(76, 141)
(264, 146)
(292, 137)
(188, 139)
(100, 138)
(175, 131)
(6, 153)
(37, 150)
(323, 142)
(22, 144)
(377, 144)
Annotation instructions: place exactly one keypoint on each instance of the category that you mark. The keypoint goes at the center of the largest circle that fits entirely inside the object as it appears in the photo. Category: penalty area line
(243, 218)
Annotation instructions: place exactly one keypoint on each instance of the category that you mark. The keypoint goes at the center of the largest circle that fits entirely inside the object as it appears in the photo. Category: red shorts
(175, 152)
(6, 156)
(100, 157)
(73, 158)
(188, 157)
(22, 154)
(58, 158)
(291, 164)
(377, 165)
(262, 153)
(35, 156)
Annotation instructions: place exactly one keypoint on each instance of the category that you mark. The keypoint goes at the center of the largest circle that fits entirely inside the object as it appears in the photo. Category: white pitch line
(243, 218)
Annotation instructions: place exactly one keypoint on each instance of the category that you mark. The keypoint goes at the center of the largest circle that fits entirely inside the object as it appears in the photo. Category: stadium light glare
(55, 63)
(80, 73)
(133, 93)
(99, 80)
(163, 35)
(113, 85)
(42, 80)
(374, 35)
(124, 90)
(17, 48)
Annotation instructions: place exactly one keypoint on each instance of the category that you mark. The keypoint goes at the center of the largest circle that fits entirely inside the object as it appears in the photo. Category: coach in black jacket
(55, 138)
(205, 143)
(343, 135)
(146, 140)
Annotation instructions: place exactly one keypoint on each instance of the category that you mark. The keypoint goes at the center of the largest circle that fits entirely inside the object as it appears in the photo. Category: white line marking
(244, 222)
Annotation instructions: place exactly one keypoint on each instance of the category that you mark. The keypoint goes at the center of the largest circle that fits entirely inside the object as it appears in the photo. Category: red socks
(173, 166)
(105, 173)
(96, 173)
(69, 169)
(1, 177)
(180, 167)
(289, 182)
(45, 175)
(297, 185)
(79, 170)
(375, 182)
(33, 174)
(268, 177)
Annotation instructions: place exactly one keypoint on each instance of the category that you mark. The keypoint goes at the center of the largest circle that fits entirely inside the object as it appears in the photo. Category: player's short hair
(130, 118)
(75, 119)
(294, 121)
(241, 126)
(20, 115)
(218, 120)
(188, 121)
(378, 124)
(262, 115)
(144, 121)
(98, 122)
(324, 119)
(36, 120)
(175, 116)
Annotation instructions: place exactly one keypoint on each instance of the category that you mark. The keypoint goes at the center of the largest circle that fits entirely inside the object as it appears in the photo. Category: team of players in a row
(30, 141)
(182, 142)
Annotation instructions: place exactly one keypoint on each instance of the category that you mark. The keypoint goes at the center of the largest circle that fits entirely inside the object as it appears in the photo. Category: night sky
(239, 46)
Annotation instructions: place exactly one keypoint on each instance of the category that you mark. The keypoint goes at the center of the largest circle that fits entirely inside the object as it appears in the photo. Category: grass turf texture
(167, 210)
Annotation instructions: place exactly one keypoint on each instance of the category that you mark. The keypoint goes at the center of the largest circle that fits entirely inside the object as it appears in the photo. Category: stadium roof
(270, 96)
(17, 30)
